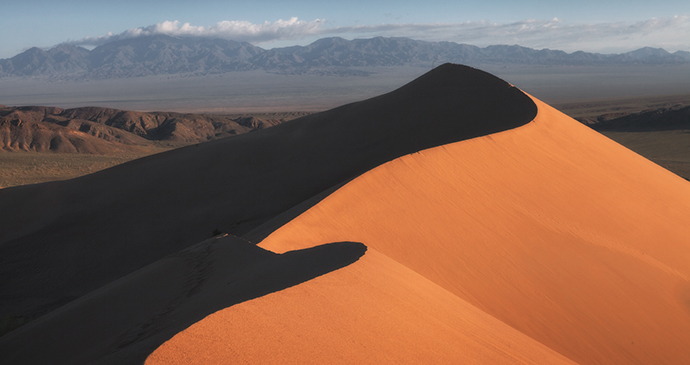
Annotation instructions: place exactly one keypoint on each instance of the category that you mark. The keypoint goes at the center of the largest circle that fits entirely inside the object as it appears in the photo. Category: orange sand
(551, 228)
(374, 311)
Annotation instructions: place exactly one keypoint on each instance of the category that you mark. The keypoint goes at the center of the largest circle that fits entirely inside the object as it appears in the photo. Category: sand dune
(388, 234)
(551, 228)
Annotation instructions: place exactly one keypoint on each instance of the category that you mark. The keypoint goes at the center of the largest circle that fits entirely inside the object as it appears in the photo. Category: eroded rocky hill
(103, 130)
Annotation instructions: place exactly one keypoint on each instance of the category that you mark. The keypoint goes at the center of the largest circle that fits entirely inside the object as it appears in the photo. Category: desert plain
(456, 219)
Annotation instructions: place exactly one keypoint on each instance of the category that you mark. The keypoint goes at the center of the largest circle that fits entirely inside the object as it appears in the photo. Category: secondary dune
(375, 311)
(126, 320)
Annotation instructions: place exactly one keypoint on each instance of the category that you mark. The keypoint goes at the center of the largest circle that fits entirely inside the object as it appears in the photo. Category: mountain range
(166, 55)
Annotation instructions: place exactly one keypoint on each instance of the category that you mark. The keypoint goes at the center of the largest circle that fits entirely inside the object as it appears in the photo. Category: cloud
(292, 28)
(670, 33)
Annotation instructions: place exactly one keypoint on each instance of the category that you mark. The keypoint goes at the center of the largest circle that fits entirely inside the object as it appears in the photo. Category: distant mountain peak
(161, 54)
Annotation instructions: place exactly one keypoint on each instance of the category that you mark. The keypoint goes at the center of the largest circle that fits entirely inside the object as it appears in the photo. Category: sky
(604, 26)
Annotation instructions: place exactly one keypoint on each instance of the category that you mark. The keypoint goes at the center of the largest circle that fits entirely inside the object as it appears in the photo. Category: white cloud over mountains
(242, 31)
(669, 33)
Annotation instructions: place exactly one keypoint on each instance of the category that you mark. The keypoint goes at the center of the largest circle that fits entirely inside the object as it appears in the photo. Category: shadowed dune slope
(61, 240)
(375, 311)
(551, 228)
(126, 320)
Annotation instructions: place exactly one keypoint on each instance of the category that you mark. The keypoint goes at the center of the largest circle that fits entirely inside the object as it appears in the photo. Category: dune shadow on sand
(282, 271)
(125, 321)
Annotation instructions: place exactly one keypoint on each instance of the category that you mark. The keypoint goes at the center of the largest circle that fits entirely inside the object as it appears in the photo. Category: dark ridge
(62, 240)
(649, 120)
(104, 130)
(123, 322)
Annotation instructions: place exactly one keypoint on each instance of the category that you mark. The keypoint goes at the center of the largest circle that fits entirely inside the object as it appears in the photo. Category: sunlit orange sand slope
(375, 311)
(549, 228)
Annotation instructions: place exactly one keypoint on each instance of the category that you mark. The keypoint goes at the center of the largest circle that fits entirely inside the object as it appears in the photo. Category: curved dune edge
(372, 312)
(552, 228)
